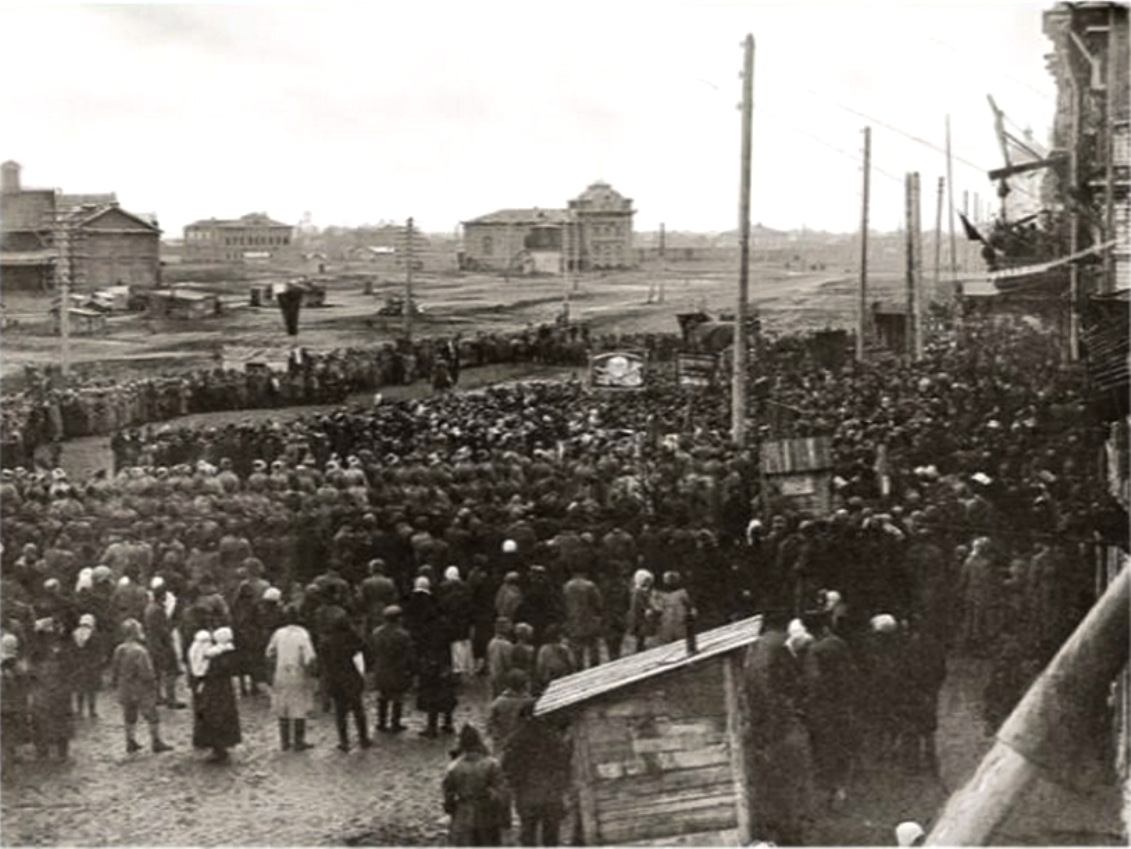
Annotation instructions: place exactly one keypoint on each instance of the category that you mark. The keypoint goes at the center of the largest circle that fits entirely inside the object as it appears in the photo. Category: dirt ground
(389, 795)
(622, 302)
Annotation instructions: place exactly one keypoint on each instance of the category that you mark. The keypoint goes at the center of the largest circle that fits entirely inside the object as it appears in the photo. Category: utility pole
(911, 244)
(938, 240)
(950, 204)
(917, 236)
(409, 258)
(862, 329)
(64, 234)
(738, 412)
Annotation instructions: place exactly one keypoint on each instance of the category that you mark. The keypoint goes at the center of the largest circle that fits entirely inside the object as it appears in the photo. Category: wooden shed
(659, 756)
(802, 469)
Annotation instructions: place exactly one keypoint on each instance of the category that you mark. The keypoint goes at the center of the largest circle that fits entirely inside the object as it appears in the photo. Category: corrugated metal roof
(596, 681)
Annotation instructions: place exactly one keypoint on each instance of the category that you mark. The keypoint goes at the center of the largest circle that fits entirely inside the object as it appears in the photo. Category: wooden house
(659, 752)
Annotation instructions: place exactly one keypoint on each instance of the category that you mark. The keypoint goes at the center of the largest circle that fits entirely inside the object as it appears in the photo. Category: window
(488, 246)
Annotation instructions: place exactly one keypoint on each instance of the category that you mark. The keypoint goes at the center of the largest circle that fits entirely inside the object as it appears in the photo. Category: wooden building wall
(659, 762)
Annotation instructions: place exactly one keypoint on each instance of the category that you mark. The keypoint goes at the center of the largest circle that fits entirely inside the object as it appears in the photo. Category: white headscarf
(85, 580)
(451, 573)
(641, 577)
(223, 642)
(197, 656)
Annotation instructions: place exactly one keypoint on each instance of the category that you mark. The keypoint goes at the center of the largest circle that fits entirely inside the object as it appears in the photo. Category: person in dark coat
(160, 642)
(778, 755)
(474, 791)
(249, 638)
(88, 665)
(50, 699)
(536, 763)
(344, 682)
(393, 668)
(216, 718)
(554, 659)
(830, 674)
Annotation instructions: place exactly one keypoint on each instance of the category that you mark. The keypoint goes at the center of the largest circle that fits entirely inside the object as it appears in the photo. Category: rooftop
(524, 216)
(588, 684)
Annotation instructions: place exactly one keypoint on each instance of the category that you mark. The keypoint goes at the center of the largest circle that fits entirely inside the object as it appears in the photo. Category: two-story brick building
(45, 234)
(255, 237)
(594, 232)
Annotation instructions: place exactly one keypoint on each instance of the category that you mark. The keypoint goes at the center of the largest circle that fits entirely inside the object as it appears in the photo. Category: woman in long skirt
(216, 718)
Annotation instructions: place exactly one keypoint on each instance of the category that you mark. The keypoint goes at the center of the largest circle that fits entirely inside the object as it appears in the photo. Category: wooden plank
(653, 763)
(658, 803)
(723, 837)
(674, 780)
(584, 781)
(635, 829)
(736, 730)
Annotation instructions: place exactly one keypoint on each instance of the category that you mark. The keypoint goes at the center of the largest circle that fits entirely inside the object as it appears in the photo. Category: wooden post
(950, 207)
(408, 282)
(938, 240)
(909, 255)
(917, 255)
(738, 411)
(1053, 731)
(1107, 286)
(862, 326)
(737, 739)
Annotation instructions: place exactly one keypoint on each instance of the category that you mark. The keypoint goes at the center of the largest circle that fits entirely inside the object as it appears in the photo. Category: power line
(909, 135)
(856, 157)
(993, 68)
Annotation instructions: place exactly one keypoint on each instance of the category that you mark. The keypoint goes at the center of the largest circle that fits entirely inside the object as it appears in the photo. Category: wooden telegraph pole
(409, 256)
(917, 267)
(938, 240)
(862, 329)
(63, 266)
(738, 412)
(950, 205)
(909, 255)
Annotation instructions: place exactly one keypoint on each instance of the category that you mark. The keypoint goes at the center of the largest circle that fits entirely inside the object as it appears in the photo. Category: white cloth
(290, 653)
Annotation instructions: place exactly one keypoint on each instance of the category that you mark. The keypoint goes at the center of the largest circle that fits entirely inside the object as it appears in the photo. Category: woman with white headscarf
(216, 718)
(641, 607)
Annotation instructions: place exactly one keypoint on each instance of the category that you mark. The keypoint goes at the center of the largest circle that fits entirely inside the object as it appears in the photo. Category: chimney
(10, 177)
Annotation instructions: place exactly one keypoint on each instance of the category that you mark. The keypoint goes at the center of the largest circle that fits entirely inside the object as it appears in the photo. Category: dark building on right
(1090, 63)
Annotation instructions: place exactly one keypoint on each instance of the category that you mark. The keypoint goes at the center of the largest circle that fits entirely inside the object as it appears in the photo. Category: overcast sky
(450, 110)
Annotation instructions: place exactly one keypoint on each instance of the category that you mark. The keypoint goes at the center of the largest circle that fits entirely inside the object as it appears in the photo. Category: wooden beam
(1011, 170)
(736, 732)
(584, 779)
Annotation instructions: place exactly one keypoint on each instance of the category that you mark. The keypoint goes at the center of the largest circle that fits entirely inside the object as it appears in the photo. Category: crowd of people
(49, 409)
(522, 533)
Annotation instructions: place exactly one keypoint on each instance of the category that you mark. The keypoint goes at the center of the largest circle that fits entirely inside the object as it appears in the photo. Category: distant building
(253, 238)
(594, 232)
(45, 233)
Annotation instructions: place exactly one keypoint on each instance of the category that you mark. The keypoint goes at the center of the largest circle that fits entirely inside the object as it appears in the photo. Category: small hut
(659, 751)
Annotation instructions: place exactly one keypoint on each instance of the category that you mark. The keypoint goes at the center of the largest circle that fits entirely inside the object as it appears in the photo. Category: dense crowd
(49, 409)
(521, 533)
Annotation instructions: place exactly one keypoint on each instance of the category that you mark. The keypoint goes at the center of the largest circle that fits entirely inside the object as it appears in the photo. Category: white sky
(449, 110)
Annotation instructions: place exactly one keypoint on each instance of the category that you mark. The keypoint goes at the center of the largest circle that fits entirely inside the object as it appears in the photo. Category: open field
(607, 303)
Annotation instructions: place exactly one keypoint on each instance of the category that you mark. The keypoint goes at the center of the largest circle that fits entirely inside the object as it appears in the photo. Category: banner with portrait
(618, 370)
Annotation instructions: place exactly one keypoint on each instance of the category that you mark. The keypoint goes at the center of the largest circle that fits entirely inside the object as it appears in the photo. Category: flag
(290, 302)
(972, 233)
